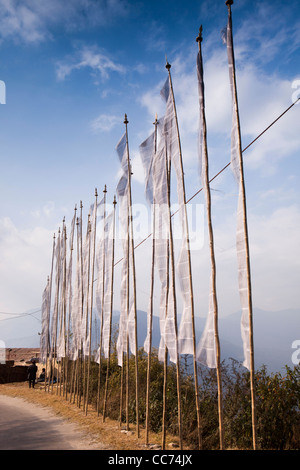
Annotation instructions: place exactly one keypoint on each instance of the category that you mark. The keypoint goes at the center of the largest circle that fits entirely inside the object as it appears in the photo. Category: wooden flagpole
(168, 176)
(163, 444)
(102, 301)
(168, 67)
(80, 381)
(60, 304)
(49, 306)
(62, 311)
(63, 363)
(171, 251)
(56, 307)
(70, 304)
(121, 390)
(133, 280)
(151, 302)
(111, 310)
(87, 311)
(205, 171)
(246, 238)
(74, 363)
(91, 302)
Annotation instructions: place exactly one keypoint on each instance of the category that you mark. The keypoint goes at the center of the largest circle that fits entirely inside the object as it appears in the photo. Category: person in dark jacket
(32, 369)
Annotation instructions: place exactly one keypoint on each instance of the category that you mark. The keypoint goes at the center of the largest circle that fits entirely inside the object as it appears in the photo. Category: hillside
(274, 333)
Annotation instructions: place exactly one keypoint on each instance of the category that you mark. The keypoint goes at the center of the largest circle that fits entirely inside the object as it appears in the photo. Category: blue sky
(73, 69)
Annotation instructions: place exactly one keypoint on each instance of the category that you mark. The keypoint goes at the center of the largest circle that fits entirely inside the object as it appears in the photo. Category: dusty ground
(26, 426)
(88, 431)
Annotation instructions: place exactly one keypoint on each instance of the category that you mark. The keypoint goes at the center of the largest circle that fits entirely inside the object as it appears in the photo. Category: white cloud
(89, 57)
(47, 210)
(262, 98)
(24, 265)
(104, 123)
(274, 260)
(32, 20)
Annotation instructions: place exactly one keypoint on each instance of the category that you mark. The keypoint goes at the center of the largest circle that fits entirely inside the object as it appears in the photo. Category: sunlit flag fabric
(56, 300)
(44, 343)
(167, 326)
(61, 345)
(147, 153)
(156, 189)
(104, 281)
(185, 334)
(77, 299)
(240, 234)
(122, 193)
(206, 348)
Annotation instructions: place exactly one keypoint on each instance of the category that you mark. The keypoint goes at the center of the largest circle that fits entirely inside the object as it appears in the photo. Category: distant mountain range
(274, 333)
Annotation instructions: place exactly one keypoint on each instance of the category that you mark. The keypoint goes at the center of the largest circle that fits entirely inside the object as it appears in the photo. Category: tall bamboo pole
(56, 309)
(63, 310)
(91, 300)
(127, 336)
(49, 312)
(164, 415)
(80, 380)
(133, 281)
(75, 361)
(64, 362)
(168, 67)
(85, 360)
(102, 300)
(60, 311)
(150, 313)
(205, 178)
(171, 249)
(246, 238)
(70, 302)
(111, 309)
(121, 390)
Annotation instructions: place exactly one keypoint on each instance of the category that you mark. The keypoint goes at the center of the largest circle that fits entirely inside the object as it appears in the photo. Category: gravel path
(25, 426)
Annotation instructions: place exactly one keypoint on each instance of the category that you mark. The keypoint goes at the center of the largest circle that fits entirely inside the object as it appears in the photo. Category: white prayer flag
(185, 333)
(206, 348)
(236, 152)
(44, 341)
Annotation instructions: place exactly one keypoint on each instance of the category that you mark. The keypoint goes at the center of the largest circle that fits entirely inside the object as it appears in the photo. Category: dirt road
(24, 426)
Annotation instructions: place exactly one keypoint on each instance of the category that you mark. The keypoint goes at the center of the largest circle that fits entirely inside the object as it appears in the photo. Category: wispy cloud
(104, 123)
(263, 96)
(32, 21)
(91, 58)
(25, 253)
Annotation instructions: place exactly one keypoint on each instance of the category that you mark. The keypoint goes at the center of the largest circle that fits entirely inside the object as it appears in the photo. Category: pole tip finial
(115, 200)
(168, 66)
(105, 189)
(125, 119)
(199, 38)
(96, 192)
(229, 3)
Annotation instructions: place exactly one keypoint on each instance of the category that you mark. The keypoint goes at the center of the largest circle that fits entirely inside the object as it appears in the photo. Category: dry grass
(109, 433)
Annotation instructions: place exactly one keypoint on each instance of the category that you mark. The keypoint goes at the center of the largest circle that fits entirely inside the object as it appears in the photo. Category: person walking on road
(32, 370)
